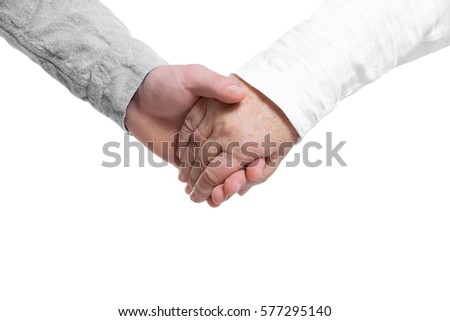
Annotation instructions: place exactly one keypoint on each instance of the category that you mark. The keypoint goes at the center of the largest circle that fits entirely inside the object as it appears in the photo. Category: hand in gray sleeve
(84, 46)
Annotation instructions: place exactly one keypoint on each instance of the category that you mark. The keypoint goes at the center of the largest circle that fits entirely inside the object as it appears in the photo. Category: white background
(78, 241)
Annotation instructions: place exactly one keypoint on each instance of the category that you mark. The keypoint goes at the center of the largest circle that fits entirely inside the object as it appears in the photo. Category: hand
(160, 105)
(231, 138)
(240, 182)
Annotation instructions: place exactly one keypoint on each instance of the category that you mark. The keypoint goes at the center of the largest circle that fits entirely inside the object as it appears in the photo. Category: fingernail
(188, 190)
(194, 198)
(234, 89)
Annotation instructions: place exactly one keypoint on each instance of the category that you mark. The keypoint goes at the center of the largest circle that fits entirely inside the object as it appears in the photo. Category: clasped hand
(224, 135)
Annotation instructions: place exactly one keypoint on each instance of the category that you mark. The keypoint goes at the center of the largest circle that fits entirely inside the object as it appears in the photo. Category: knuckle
(190, 77)
(205, 184)
(199, 138)
(188, 125)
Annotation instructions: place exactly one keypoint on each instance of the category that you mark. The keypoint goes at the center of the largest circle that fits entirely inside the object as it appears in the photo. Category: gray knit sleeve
(84, 46)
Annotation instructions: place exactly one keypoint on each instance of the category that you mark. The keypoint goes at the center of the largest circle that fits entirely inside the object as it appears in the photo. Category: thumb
(207, 83)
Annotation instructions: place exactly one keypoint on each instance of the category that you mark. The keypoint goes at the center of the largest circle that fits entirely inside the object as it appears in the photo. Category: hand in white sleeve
(344, 46)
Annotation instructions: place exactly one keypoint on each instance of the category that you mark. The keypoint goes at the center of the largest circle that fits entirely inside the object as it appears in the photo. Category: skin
(240, 182)
(160, 105)
(215, 174)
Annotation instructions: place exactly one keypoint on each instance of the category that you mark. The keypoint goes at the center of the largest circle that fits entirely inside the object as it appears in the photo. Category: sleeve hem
(118, 76)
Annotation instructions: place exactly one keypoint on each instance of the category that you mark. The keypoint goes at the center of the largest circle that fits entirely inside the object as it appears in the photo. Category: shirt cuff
(296, 100)
(300, 73)
(115, 80)
(271, 85)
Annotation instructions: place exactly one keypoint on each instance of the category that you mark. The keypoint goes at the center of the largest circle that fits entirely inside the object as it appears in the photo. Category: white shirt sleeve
(345, 45)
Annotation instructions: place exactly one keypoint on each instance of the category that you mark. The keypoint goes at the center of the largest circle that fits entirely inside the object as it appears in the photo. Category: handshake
(223, 135)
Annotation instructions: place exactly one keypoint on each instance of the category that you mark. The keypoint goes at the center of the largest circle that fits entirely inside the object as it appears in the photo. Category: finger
(218, 195)
(238, 181)
(187, 162)
(232, 185)
(255, 169)
(211, 203)
(203, 157)
(217, 171)
(191, 122)
(270, 165)
(253, 176)
(192, 162)
(207, 83)
(190, 133)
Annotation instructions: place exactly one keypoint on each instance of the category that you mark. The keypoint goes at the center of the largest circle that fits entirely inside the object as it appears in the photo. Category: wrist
(291, 133)
(134, 109)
